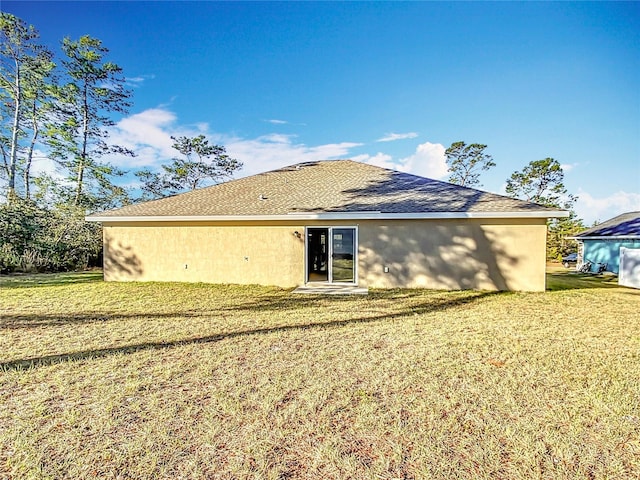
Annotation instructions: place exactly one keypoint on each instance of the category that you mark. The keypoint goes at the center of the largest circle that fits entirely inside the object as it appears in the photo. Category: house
(602, 243)
(334, 222)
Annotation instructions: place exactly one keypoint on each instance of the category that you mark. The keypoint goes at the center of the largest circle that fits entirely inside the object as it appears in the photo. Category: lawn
(150, 380)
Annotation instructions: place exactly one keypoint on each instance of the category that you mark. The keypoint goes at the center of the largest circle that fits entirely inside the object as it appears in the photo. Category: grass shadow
(421, 301)
(15, 321)
(49, 279)
(433, 300)
(572, 280)
(424, 307)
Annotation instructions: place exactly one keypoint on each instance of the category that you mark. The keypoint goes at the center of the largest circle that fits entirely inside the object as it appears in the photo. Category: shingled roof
(625, 225)
(326, 189)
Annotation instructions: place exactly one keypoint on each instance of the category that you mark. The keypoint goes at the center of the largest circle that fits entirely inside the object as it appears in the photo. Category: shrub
(34, 239)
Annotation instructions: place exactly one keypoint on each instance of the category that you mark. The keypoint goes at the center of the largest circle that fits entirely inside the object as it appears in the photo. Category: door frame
(330, 254)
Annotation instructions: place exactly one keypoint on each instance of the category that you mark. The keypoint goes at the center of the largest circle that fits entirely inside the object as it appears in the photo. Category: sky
(391, 84)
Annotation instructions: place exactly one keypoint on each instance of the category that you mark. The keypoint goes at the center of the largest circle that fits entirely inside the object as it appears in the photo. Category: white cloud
(390, 137)
(202, 127)
(592, 209)
(276, 121)
(567, 167)
(428, 161)
(273, 151)
(135, 82)
(149, 133)
(379, 160)
(42, 164)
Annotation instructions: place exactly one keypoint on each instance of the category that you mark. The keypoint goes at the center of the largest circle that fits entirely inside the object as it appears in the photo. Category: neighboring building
(337, 222)
(602, 243)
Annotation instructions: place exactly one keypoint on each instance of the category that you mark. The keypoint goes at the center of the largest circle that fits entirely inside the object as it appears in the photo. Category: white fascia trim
(613, 238)
(330, 216)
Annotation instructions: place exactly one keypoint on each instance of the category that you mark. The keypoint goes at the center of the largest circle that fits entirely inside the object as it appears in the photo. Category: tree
(203, 164)
(542, 182)
(558, 245)
(24, 67)
(78, 137)
(43, 231)
(39, 104)
(466, 162)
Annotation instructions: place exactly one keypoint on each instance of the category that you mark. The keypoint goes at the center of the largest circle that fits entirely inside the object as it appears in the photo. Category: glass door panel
(343, 255)
(317, 255)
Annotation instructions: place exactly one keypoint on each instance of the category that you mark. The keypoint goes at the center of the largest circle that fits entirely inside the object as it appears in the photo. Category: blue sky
(393, 84)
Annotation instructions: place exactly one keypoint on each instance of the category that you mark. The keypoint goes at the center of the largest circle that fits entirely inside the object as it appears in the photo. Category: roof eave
(328, 216)
(606, 237)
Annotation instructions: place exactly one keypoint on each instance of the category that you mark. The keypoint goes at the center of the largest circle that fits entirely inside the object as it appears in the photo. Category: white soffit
(368, 215)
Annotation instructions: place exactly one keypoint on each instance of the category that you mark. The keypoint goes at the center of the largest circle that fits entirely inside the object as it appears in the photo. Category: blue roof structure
(626, 225)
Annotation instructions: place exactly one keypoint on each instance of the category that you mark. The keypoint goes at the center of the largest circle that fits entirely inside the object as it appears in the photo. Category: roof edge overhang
(605, 237)
(327, 216)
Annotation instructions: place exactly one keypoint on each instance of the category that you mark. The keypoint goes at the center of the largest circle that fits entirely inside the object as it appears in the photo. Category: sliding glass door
(331, 254)
(343, 255)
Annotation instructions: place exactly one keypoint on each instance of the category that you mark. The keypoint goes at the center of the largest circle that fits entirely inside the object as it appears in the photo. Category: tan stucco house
(331, 222)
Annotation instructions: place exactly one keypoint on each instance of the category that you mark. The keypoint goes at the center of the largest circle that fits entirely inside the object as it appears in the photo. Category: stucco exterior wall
(442, 254)
(606, 251)
(454, 254)
(204, 253)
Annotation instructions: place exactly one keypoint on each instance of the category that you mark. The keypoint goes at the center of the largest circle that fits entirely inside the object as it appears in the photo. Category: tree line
(61, 110)
(541, 182)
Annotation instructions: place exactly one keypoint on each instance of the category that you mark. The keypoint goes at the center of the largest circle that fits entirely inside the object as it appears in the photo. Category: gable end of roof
(626, 225)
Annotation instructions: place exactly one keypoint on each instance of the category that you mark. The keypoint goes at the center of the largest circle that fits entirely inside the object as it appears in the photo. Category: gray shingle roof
(627, 225)
(331, 186)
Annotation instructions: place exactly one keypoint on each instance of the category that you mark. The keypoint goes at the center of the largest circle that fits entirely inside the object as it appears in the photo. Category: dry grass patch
(108, 380)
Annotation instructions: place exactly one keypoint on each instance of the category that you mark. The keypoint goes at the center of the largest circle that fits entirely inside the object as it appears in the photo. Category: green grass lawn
(149, 380)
